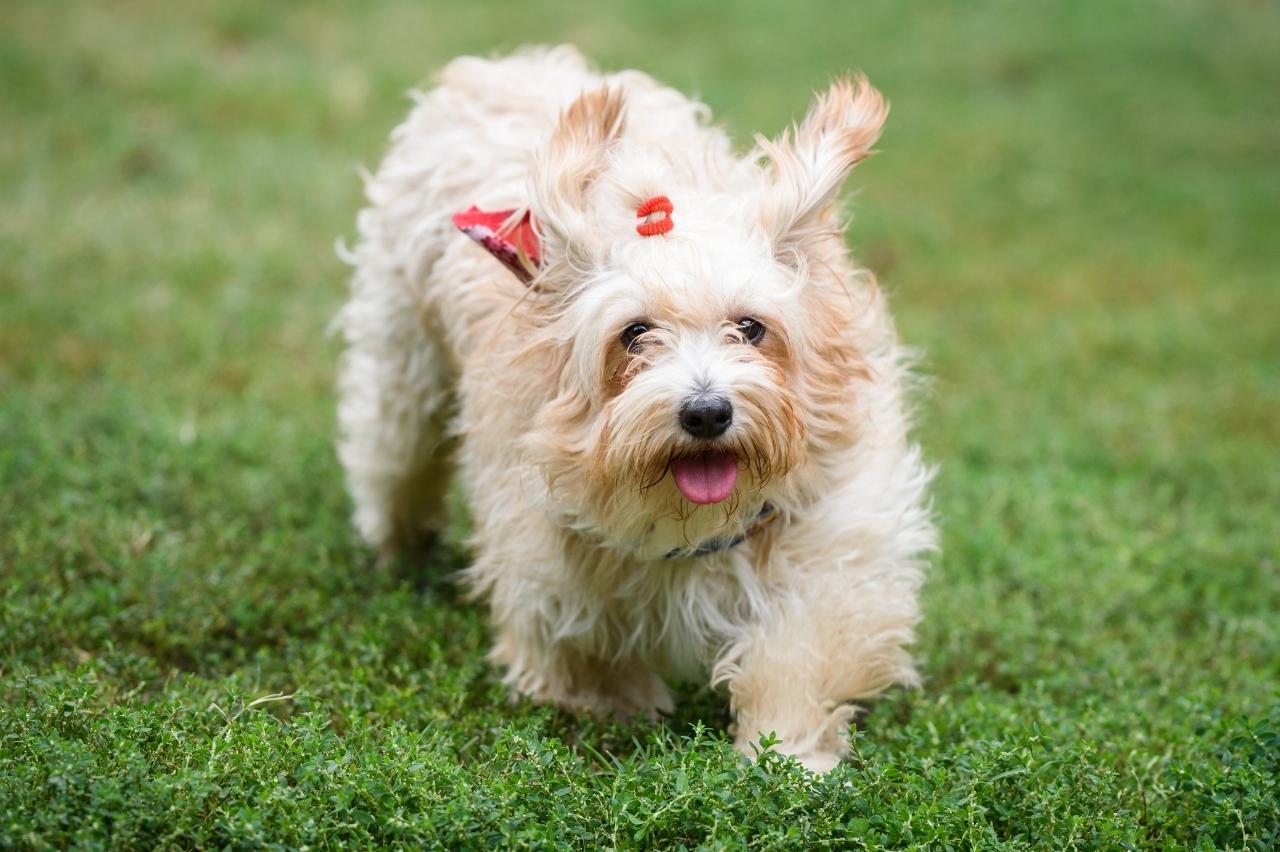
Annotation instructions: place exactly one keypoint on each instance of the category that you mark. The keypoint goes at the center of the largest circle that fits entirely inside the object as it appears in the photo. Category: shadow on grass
(432, 567)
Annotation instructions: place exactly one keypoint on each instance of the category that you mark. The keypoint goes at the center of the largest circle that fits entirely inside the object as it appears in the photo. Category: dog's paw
(644, 698)
(627, 695)
(816, 759)
(818, 762)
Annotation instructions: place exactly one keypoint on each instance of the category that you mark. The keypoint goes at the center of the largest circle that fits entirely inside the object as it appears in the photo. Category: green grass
(1077, 210)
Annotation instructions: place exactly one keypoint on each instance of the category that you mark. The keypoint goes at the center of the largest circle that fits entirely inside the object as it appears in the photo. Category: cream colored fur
(564, 435)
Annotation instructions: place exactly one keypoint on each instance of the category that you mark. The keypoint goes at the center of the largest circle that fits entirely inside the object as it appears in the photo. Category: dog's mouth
(706, 478)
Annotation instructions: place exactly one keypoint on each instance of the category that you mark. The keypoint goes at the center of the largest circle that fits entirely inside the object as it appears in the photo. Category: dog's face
(688, 353)
(701, 367)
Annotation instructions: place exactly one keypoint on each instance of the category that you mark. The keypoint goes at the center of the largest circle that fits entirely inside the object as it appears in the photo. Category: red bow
(515, 244)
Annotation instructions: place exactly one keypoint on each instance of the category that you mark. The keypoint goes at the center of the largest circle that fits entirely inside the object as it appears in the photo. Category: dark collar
(768, 514)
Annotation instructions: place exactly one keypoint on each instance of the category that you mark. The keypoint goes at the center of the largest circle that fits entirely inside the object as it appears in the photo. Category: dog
(676, 408)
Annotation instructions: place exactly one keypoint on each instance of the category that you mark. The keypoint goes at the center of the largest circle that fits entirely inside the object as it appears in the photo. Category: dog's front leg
(576, 680)
(556, 640)
(794, 676)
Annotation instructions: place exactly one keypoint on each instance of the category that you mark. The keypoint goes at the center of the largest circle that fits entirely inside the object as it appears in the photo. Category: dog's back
(466, 141)
(413, 314)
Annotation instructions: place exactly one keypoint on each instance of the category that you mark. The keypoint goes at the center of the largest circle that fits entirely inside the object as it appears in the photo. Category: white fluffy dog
(678, 404)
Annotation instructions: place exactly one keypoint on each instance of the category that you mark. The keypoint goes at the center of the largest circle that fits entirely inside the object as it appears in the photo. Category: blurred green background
(1075, 211)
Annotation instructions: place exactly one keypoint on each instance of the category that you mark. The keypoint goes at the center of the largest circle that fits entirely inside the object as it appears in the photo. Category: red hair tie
(656, 213)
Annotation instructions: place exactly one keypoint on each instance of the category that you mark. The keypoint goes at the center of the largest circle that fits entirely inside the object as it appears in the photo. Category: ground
(1077, 213)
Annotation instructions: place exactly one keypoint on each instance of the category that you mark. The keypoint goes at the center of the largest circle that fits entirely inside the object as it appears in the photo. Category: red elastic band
(657, 204)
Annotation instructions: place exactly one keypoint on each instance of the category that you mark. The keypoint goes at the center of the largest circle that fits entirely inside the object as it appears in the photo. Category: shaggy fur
(567, 434)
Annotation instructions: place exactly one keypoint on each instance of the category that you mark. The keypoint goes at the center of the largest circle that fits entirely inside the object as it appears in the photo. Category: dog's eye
(631, 332)
(752, 330)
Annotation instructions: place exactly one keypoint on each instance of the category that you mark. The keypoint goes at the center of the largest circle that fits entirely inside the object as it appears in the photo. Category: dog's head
(698, 308)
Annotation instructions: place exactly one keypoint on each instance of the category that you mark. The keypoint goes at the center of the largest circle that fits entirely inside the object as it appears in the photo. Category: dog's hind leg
(395, 400)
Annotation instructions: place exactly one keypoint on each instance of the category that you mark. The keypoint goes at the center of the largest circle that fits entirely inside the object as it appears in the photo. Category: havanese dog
(674, 404)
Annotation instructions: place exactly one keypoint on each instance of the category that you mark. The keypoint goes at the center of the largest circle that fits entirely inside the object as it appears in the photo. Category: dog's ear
(810, 162)
(572, 158)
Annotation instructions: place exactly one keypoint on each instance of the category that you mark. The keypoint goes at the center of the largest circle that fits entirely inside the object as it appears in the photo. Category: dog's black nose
(706, 416)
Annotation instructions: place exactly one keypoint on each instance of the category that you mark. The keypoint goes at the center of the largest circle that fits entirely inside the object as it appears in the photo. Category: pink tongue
(706, 477)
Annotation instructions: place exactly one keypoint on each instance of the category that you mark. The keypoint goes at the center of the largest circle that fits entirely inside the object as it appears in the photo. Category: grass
(1076, 211)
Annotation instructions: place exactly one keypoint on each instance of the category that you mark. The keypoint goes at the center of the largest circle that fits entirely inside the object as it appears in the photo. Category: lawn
(1077, 213)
